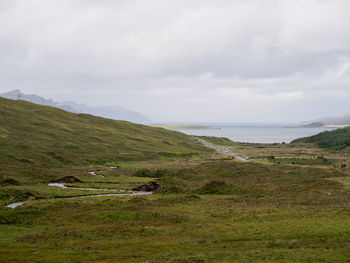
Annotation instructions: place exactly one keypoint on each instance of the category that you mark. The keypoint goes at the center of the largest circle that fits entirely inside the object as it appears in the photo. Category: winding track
(222, 150)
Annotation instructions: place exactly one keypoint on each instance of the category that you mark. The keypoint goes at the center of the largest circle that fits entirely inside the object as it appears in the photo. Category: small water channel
(61, 185)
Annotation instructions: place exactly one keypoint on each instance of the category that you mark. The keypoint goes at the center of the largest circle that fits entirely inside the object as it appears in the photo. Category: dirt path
(223, 151)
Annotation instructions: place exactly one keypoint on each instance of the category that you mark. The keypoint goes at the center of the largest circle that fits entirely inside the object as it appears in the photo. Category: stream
(61, 185)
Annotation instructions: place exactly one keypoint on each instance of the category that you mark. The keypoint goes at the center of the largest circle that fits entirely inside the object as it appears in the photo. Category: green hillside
(336, 139)
(36, 136)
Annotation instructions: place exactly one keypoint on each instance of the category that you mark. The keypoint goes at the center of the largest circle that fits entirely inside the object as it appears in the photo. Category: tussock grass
(274, 215)
(3, 134)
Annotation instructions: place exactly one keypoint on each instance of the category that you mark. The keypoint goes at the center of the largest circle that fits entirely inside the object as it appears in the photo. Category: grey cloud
(145, 53)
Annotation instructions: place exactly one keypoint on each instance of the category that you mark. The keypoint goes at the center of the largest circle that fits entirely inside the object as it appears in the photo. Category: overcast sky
(183, 60)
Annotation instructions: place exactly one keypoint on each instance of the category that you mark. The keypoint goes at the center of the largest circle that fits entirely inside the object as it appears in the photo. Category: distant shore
(330, 126)
(337, 125)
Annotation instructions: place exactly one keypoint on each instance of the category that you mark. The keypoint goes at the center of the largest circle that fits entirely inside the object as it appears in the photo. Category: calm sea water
(256, 134)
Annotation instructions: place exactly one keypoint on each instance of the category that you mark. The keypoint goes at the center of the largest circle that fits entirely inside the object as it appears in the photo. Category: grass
(120, 182)
(219, 140)
(294, 154)
(343, 180)
(319, 160)
(260, 214)
(182, 126)
(3, 134)
(43, 191)
(43, 138)
(294, 207)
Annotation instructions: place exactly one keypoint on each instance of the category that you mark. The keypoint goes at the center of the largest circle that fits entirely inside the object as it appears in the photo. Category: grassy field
(304, 154)
(290, 204)
(220, 211)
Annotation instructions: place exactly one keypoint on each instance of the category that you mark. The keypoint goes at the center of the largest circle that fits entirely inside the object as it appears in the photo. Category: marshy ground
(292, 207)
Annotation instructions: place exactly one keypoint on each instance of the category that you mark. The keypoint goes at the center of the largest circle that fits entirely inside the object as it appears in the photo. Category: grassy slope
(34, 136)
(181, 126)
(219, 140)
(336, 140)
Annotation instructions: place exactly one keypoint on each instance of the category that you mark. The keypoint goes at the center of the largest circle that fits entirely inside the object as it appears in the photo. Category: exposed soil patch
(68, 180)
(149, 187)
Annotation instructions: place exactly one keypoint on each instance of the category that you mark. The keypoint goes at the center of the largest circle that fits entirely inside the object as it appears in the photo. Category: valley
(163, 196)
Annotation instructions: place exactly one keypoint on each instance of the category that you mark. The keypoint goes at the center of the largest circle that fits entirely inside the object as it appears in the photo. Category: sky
(183, 60)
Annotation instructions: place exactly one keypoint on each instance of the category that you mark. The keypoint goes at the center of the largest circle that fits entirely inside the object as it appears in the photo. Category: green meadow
(288, 205)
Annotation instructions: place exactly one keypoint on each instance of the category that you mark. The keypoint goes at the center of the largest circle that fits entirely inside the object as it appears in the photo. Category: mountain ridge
(114, 112)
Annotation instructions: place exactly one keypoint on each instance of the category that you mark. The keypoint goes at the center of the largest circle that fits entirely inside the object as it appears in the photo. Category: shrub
(217, 187)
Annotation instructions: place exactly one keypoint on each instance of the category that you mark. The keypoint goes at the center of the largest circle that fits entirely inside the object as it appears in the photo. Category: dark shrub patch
(217, 187)
(9, 181)
(149, 187)
(68, 179)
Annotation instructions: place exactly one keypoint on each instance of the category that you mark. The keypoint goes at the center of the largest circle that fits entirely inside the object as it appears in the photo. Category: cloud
(269, 55)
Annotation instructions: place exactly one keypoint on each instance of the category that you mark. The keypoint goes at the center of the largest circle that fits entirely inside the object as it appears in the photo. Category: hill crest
(112, 112)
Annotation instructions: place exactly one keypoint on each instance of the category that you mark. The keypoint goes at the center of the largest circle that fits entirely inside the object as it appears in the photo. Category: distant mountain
(18, 95)
(314, 124)
(335, 122)
(112, 112)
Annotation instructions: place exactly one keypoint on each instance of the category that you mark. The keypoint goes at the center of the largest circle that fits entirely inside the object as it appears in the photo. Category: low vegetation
(290, 204)
(222, 211)
(219, 140)
(319, 160)
(3, 134)
(183, 126)
(335, 140)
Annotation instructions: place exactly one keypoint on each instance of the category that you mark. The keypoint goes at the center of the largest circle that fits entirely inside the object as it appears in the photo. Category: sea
(255, 133)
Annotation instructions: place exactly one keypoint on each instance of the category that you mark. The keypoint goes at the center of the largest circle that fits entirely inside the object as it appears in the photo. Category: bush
(217, 187)
(337, 139)
(272, 157)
